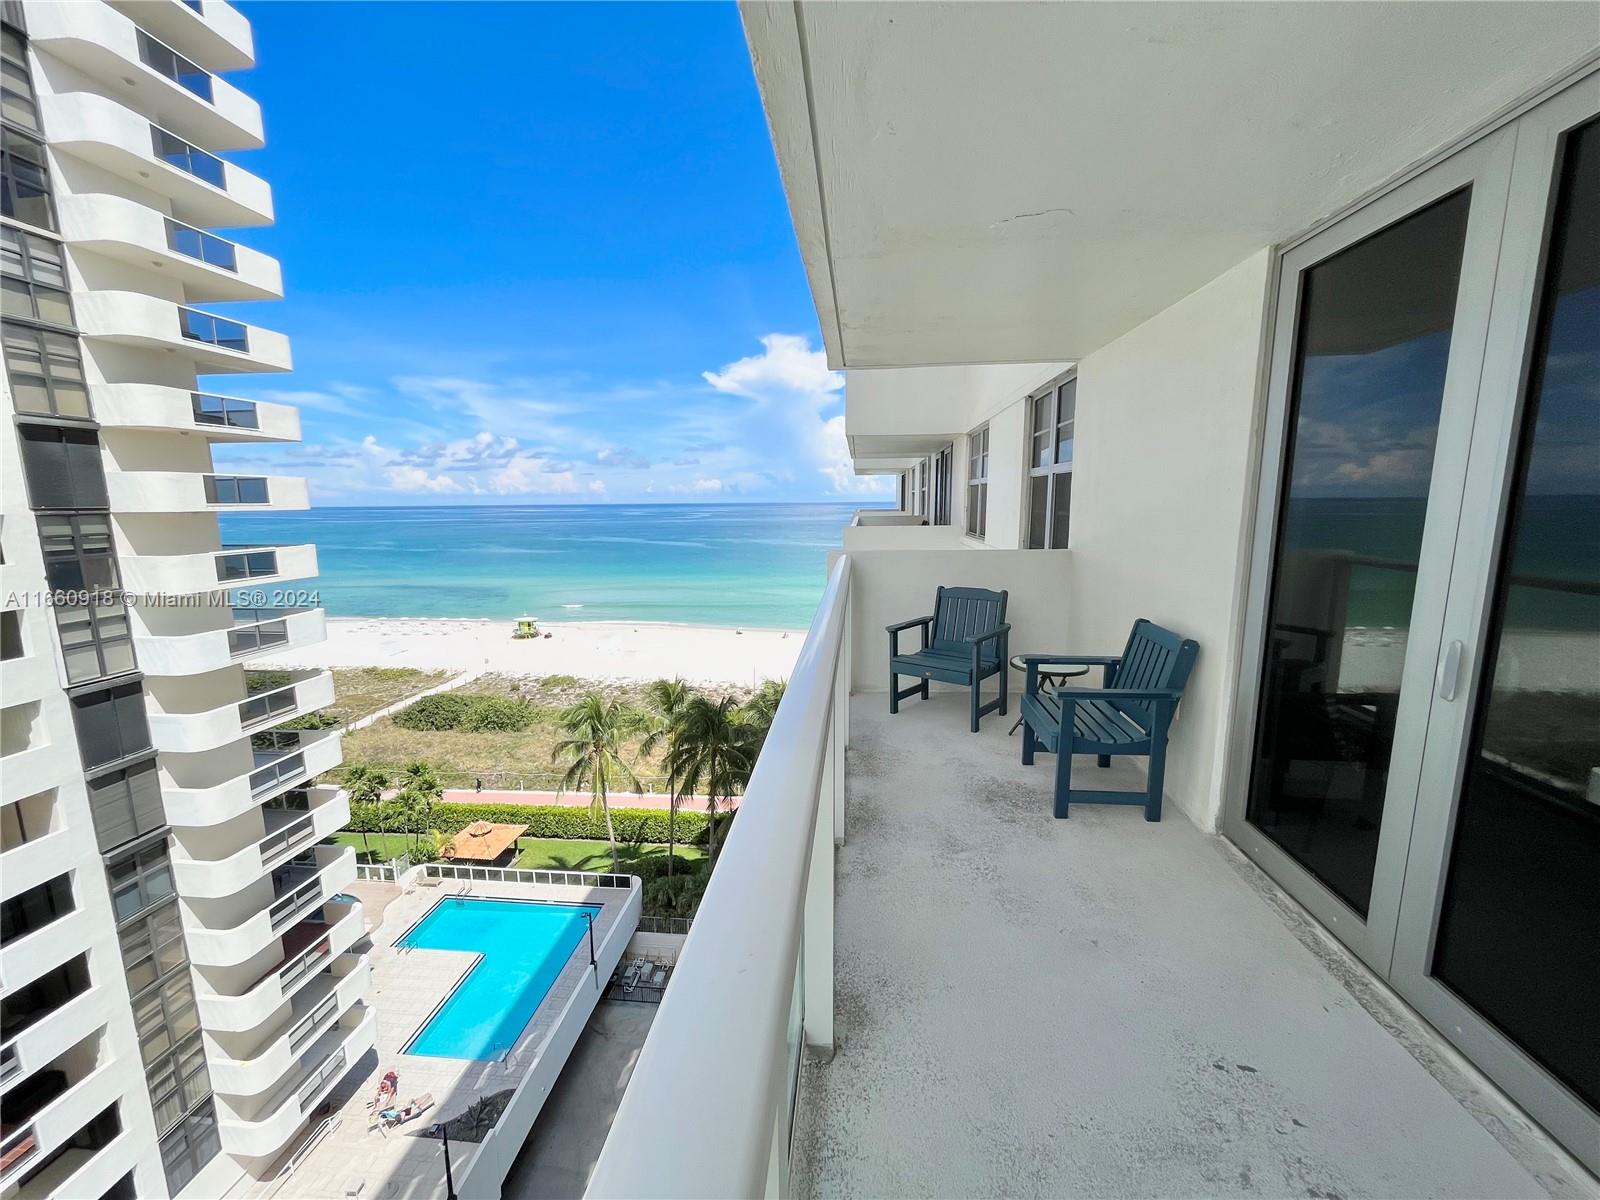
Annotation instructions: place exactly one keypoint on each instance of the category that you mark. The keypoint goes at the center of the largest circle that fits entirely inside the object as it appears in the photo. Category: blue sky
(532, 253)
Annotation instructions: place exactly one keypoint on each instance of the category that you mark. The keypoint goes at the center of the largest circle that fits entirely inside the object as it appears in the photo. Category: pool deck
(407, 986)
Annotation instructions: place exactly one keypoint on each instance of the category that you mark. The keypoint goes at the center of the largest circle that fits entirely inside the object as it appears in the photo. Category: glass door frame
(1491, 478)
(1485, 166)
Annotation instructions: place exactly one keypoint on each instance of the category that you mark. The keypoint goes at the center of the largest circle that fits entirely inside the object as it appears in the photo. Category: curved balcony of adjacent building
(176, 732)
(300, 886)
(296, 757)
(315, 944)
(212, 32)
(47, 1111)
(31, 771)
(216, 344)
(253, 632)
(289, 832)
(204, 190)
(248, 1064)
(209, 267)
(149, 74)
(259, 1126)
(69, 1022)
(230, 566)
(219, 418)
(193, 491)
(28, 676)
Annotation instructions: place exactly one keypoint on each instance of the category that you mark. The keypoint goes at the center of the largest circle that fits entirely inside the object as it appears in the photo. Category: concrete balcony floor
(1106, 1007)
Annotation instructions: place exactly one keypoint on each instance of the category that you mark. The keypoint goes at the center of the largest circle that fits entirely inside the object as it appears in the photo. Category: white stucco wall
(888, 586)
(1164, 480)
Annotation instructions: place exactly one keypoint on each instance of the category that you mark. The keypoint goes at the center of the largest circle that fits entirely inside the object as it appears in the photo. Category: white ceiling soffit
(1008, 182)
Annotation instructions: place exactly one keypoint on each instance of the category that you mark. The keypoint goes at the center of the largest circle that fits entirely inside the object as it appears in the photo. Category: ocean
(757, 565)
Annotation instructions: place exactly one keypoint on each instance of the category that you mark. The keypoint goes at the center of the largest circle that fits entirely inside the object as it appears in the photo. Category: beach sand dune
(610, 650)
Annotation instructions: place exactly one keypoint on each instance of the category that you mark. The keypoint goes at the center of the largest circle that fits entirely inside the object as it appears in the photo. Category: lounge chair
(413, 1110)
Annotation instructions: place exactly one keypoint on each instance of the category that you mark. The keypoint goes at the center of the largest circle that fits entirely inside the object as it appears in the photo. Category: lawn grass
(360, 691)
(560, 854)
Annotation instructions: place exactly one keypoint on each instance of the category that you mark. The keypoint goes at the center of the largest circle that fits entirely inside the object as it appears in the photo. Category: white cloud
(786, 364)
(415, 479)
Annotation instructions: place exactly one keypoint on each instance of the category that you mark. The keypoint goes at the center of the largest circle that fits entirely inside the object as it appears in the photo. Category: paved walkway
(1105, 1007)
(657, 800)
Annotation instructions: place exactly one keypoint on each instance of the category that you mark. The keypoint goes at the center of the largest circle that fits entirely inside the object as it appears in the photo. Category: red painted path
(579, 799)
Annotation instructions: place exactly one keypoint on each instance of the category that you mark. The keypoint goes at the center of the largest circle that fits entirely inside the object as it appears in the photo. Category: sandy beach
(587, 649)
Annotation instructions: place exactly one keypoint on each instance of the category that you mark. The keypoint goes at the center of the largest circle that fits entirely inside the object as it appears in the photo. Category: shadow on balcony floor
(1098, 1006)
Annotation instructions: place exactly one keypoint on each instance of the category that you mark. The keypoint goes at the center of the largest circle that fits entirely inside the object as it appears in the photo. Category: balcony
(74, 1019)
(28, 677)
(227, 567)
(26, 958)
(85, 1170)
(155, 78)
(318, 943)
(216, 345)
(253, 632)
(1100, 1006)
(204, 190)
(80, 1091)
(261, 1127)
(288, 832)
(276, 1049)
(303, 756)
(194, 732)
(302, 889)
(209, 268)
(191, 491)
(212, 32)
(30, 771)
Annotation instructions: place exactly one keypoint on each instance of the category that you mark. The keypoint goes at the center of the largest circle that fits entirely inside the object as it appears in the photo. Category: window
(173, 150)
(138, 880)
(236, 489)
(978, 482)
(190, 1146)
(111, 724)
(63, 467)
(125, 804)
(1054, 414)
(164, 60)
(17, 102)
(250, 564)
(25, 180)
(34, 271)
(10, 634)
(152, 943)
(224, 410)
(943, 469)
(35, 908)
(81, 570)
(46, 372)
(196, 243)
(198, 326)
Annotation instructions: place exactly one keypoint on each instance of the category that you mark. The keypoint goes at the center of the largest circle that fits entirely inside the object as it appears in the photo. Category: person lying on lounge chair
(418, 1106)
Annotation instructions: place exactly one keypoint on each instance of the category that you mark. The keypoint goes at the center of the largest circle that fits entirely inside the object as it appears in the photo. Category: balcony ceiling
(1016, 182)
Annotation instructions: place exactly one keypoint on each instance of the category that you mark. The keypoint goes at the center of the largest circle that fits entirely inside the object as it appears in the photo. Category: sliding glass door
(1423, 691)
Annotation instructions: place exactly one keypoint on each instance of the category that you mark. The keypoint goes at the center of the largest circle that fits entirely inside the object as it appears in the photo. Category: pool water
(524, 945)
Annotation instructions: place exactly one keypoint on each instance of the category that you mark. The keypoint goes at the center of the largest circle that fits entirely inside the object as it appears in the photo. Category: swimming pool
(524, 945)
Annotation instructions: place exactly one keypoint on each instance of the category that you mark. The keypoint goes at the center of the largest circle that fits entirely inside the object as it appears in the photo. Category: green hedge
(477, 714)
(555, 821)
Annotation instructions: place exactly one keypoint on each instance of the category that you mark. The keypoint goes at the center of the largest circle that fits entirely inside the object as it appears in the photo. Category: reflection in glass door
(1371, 352)
(1519, 927)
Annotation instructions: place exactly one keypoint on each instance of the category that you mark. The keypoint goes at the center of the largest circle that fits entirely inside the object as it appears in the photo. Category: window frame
(978, 451)
(30, 253)
(14, 55)
(1044, 441)
(80, 566)
(50, 349)
(83, 478)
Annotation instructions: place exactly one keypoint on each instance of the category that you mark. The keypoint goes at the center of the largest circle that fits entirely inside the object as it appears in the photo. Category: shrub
(497, 714)
(678, 896)
(321, 719)
(559, 681)
(556, 821)
(443, 710)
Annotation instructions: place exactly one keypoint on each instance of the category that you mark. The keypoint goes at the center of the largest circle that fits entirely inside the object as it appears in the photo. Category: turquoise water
(524, 946)
(759, 565)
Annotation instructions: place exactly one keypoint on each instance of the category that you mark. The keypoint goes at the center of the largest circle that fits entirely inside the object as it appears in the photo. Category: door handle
(1449, 677)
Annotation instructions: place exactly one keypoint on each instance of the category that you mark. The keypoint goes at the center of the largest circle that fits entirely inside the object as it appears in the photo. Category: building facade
(183, 982)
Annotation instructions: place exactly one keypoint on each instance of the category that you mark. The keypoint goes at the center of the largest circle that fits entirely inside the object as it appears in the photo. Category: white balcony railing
(333, 872)
(312, 946)
(289, 831)
(215, 570)
(213, 649)
(755, 978)
(219, 418)
(193, 732)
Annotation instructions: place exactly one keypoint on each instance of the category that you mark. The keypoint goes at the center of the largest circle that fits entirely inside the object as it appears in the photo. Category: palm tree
(667, 699)
(419, 788)
(592, 753)
(365, 787)
(712, 754)
(759, 711)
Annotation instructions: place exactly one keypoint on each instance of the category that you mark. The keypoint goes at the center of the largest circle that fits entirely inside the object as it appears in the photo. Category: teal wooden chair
(1130, 715)
(964, 642)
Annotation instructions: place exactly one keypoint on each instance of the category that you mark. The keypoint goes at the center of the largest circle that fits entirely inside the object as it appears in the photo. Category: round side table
(1050, 674)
